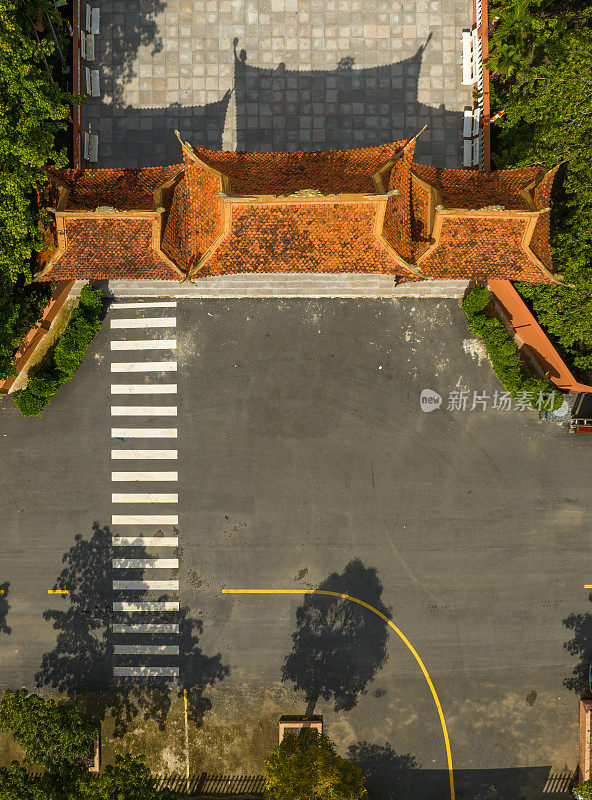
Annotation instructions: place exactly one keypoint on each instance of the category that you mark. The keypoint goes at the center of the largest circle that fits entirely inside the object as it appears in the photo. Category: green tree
(17, 784)
(56, 738)
(127, 779)
(33, 117)
(33, 110)
(545, 88)
(306, 767)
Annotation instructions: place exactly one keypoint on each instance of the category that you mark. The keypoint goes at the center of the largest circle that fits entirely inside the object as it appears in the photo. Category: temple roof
(326, 171)
(367, 210)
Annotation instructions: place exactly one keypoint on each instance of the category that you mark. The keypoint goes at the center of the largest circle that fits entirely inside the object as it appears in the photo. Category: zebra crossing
(144, 649)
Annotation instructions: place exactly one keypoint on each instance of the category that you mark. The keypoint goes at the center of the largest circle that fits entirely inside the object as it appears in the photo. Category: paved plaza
(279, 75)
(298, 458)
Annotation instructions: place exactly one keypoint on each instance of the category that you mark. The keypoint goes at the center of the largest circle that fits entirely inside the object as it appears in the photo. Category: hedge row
(61, 363)
(503, 354)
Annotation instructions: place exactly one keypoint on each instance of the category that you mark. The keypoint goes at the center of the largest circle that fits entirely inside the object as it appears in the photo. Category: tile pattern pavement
(277, 75)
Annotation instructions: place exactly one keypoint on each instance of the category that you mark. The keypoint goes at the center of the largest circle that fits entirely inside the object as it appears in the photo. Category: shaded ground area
(305, 461)
(80, 666)
(277, 75)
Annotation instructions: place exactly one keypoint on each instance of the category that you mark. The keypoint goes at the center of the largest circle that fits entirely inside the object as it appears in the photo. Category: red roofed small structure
(364, 210)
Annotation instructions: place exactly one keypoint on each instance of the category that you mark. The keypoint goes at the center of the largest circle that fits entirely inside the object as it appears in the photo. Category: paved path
(286, 285)
(277, 75)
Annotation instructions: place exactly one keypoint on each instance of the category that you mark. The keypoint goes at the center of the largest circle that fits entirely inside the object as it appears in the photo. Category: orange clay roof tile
(482, 248)
(471, 189)
(302, 237)
(195, 218)
(329, 171)
(333, 235)
(100, 248)
(539, 244)
(397, 218)
(122, 189)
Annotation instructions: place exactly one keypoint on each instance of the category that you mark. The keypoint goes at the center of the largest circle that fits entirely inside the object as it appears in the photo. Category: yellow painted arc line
(399, 633)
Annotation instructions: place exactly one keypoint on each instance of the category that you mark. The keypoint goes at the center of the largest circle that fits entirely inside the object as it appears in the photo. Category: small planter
(297, 723)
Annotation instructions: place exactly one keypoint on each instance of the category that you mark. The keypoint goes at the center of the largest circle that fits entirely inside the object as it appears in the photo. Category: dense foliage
(53, 737)
(583, 790)
(503, 354)
(60, 740)
(61, 363)
(33, 112)
(541, 76)
(21, 305)
(306, 767)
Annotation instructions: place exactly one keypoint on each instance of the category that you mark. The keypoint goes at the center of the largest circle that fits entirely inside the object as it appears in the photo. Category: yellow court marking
(58, 591)
(399, 633)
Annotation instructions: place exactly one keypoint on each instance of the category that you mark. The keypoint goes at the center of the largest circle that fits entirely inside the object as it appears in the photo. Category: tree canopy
(33, 118)
(306, 767)
(541, 76)
(60, 740)
(54, 737)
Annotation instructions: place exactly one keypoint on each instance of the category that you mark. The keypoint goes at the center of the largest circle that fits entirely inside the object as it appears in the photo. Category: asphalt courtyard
(305, 461)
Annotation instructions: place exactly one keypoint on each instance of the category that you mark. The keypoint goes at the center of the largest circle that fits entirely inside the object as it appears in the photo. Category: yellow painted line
(186, 740)
(588, 586)
(399, 633)
(58, 591)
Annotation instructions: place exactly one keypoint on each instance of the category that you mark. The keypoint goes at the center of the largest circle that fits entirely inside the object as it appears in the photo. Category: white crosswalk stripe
(143, 388)
(146, 627)
(144, 344)
(144, 366)
(143, 497)
(143, 322)
(143, 411)
(144, 433)
(149, 304)
(157, 605)
(144, 455)
(145, 563)
(160, 586)
(144, 519)
(145, 649)
(146, 672)
(144, 476)
(145, 541)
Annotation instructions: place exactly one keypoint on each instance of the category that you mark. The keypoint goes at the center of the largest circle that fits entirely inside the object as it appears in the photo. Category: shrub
(21, 305)
(584, 790)
(60, 366)
(503, 353)
(307, 766)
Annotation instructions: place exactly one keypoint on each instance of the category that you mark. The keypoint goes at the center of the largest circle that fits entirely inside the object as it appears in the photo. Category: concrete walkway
(286, 285)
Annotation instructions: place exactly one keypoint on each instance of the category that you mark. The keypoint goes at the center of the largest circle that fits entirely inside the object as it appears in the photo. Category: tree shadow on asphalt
(4, 606)
(387, 773)
(580, 645)
(339, 646)
(80, 666)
